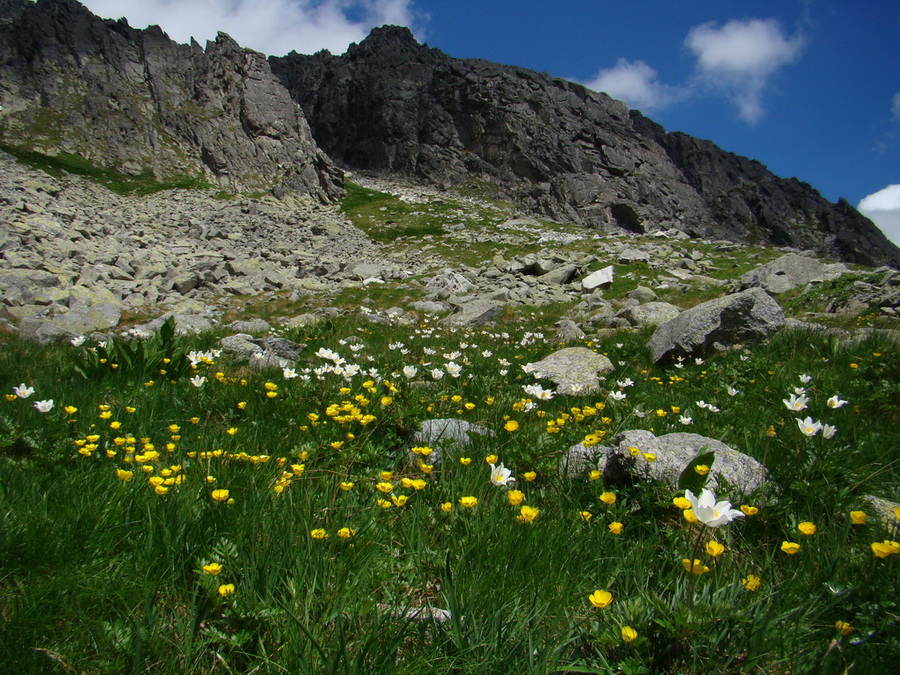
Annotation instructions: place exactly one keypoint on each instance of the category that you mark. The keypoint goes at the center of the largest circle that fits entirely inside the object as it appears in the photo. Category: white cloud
(895, 106)
(636, 83)
(740, 57)
(883, 209)
(269, 26)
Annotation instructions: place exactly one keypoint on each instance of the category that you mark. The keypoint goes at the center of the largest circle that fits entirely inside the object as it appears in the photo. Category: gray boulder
(568, 331)
(739, 318)
(651, 314)
(573, 370)
(475, 313)
(449, 282)
(252, 326)
(82, 321)
(673, 453)
(791, 271)
(445, 436)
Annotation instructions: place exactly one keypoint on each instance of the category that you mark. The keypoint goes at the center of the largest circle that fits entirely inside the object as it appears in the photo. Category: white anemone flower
(409, 372)
(618, 395)
(198, 381)
(828, 431)
(796, 403)
(538, 392)
(436, 373)
(685, 420)
(806, 379)
(44, 406)
(77, 341)
(809, 427)
(732, 391)
(836, 402)
(453, 369)
(501, 476)
(710, 512)
(289, 373)
(23, 390)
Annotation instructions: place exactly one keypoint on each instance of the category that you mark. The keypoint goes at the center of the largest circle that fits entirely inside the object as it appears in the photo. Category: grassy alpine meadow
(166, 509)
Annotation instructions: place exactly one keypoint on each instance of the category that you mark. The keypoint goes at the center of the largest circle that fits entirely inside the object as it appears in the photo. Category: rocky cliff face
(135, 101)
(395, 107)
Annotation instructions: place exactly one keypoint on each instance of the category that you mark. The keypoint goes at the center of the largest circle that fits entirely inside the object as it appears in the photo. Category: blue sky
(810, 88)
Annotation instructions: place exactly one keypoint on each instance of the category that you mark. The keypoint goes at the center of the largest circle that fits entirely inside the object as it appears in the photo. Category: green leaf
(689, 478)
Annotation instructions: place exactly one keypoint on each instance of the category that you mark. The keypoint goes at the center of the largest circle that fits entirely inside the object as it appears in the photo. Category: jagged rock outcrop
(113, 97)
(393, 106)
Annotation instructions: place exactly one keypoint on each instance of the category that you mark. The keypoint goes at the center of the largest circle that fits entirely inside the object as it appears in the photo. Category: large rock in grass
(739, 318)
(574, 370)
(673, 453)
(445, 436)
(650, 314)
(83, 321)
(791, 271)
(476, 312)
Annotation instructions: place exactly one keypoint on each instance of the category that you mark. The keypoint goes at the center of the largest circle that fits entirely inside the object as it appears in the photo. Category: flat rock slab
(573, 370)
(651, 314)
(738, 318)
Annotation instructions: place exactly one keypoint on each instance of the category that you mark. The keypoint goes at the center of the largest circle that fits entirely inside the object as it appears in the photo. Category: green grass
(113, 180)
(102, 575)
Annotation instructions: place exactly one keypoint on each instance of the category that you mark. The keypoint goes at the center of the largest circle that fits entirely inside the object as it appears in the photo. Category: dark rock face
(395, 107)
(136, 101)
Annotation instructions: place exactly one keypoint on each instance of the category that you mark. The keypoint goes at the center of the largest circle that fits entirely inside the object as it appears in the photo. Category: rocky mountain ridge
(398, 108)
(137, 102)
(98, 92)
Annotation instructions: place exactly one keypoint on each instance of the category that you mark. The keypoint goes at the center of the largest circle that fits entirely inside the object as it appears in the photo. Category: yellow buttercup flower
(608, 498)
(701, 469)
(527, 514)
(318, 533)
(212, 569)
(384, 487)
(346, 485)
(124, 475)
(492, 459)
(600, 599)
(515, 497)
(689, 516)
(751, 582)
(616, 527)
(385, 475)
(531, 475)
(843, 627)
(585, 515)
(226, 589)
(345, 533)
(807, 528)
(219, 495)
(511, 425)
(629, 634)
(883, 549)
(694, 568)
(468, 502)
(858, 517)
(714, 548)
(447, 507)
(399, 500)
(465, 461)
(749, 510)
(790, 547)
(681, 503)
